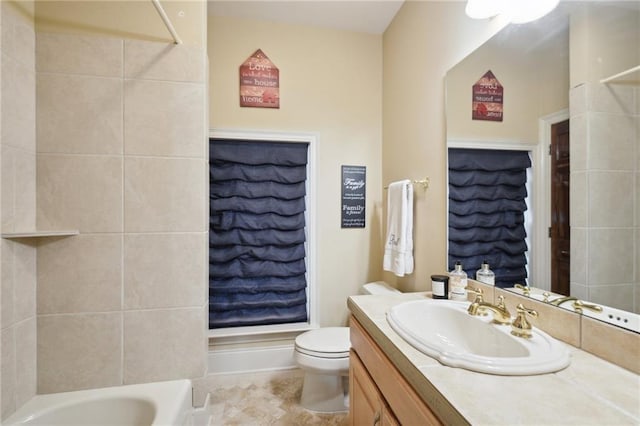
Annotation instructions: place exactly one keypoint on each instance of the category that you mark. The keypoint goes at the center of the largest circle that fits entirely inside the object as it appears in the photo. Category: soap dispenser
(458, 282)
(485, 275)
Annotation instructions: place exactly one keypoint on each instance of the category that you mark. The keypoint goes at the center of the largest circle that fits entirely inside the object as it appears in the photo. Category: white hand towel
(398, 249)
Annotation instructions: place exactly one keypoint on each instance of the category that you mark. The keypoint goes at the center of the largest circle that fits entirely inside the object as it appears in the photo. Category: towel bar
(423, 182)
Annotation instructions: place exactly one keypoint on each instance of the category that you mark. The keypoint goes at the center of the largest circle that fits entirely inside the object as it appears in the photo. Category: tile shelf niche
(40, 234)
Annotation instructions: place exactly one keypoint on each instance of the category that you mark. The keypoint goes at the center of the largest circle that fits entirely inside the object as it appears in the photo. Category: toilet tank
(378, 287)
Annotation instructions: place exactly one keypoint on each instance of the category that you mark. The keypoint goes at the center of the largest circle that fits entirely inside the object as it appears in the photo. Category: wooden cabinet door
(377, 377)
(365, 402)
(388, 419)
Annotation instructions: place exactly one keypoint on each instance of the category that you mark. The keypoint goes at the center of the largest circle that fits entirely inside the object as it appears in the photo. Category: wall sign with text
(487, 98)
(259, 82)
(354, 179)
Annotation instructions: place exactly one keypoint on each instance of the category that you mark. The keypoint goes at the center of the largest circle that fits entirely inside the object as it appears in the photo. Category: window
(488, 201)
(258, 233)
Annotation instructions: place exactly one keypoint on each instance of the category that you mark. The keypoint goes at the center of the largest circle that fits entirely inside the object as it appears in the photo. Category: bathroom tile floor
(263, 399)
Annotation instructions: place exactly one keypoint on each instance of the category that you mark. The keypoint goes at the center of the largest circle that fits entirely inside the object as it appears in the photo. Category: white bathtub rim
(169, 410)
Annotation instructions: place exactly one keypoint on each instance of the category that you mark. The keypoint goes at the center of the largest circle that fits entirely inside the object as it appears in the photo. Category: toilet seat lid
(327, 342)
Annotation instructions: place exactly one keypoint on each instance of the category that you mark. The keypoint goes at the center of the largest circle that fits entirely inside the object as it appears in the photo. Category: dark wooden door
(560, 229)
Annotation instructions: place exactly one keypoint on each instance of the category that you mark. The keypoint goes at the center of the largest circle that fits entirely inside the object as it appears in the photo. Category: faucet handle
(546, 295)
(501, 304)
(579, 305)
(474, 290)
(525, 289)
(520, 326)
(477, 291)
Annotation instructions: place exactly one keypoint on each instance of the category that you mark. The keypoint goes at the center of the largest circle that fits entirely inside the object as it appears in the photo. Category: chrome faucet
(500, 313)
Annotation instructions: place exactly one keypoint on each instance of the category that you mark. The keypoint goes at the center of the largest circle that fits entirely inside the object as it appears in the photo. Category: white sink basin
(445, 331)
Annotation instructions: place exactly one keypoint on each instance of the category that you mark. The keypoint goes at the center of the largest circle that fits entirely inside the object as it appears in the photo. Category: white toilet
(324, 356)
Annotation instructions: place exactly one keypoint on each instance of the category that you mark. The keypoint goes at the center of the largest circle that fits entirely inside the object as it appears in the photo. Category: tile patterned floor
(267, 399)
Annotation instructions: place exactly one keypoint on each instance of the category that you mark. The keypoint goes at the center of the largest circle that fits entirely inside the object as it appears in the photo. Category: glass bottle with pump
(458, 282)
(485, 275)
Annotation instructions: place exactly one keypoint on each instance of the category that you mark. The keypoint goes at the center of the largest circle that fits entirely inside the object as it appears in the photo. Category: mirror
(580, 63)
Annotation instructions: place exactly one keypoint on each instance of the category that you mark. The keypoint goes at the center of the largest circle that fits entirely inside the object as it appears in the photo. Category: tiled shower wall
(605, 194)
(121, 156)
(18, 207)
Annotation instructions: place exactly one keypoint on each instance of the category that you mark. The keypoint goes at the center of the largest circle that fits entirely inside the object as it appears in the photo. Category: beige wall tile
(578, 100)
(79, 351)
(162, 61)
(89, 122)
(147, 355)
(164, 119)
(619, 295)
(637, 191)
(579, 255)
(611, 139)
(24, 275)
(578, 142)
(26, 364)
(80, 274)
(580, 291)
(18, 37)
(8, 187)
(163, 270)
(18, 104)
(79, 192)
(18, 282)
(611, 202)
(611, 253)
(611, 343)
(579, 199)
(8, 371)
(77, 54)
(18, 189)
(25, 190)
(6, 298)
(610, 98)
(164, 195)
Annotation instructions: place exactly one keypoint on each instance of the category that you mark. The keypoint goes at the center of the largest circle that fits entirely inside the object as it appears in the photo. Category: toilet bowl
(323, 354)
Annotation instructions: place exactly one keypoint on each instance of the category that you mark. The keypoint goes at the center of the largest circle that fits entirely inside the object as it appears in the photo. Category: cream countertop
(589, 391)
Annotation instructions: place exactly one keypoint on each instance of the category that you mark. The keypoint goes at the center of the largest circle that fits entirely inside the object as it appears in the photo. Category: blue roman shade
(257, 235)
(487, 193)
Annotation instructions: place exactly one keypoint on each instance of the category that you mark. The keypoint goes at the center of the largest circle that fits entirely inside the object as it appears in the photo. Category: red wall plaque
(259, 82)
(487, 98)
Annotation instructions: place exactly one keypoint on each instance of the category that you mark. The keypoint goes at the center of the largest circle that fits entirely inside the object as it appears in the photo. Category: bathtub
(161, 403)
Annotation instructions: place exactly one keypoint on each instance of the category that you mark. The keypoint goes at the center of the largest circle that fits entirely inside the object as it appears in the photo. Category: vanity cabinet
(366, 403)
(379, 394)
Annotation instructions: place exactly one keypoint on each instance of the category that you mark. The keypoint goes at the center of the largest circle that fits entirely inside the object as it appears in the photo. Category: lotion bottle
(458, 282)
(485, 275)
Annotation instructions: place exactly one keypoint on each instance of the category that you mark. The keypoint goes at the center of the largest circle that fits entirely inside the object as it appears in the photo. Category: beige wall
(424, 40)
(18, 201)
(136, 20)
(331, 85)
(604, 40)
(535, 84)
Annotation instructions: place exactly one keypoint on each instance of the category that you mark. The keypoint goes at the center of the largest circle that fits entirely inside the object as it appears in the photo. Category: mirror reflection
(571, 99)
